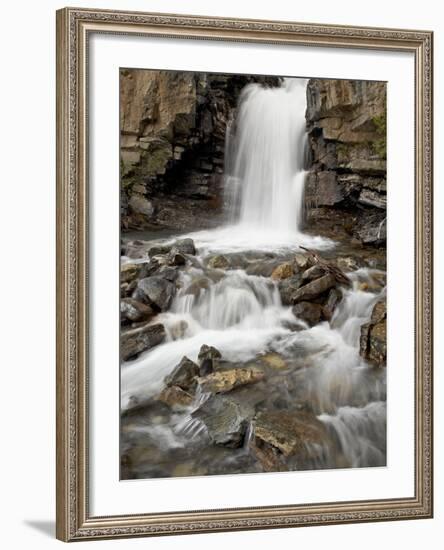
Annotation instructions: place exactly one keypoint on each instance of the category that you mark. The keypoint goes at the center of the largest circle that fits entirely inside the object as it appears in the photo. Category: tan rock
(373, 340)
(289, 432)
(151, 100)
(218, 262)
(176, 397)
(303, 261)
(226, 380)
(274, 360)
(314, 288)
(129, 272)
(137, 340)
(283, 271)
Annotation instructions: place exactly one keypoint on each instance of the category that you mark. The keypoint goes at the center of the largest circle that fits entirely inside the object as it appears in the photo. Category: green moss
(155, 160)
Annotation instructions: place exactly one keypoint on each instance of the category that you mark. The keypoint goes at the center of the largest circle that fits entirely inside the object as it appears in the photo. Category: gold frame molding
(73, 519)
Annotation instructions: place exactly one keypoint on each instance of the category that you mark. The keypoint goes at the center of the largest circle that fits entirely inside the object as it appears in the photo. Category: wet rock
(176, 397)
(129, 272)
(208, 359)
(348, 263)
(218, 262)
(268, 457)
(158, 250)
(288, 287)
(167, 272)
(290, 433)
(183, 375)
(283, 271)
(308, 312)
(226, 380)
(175, 257)
(134, 341)
(313, 273)
(126, 289)
(133, 311)
(373, 341)
(274, 361)
(373, 230)
(334, 297)
(155, 291)
(185, 246)
(262, 268)
(314, 288)
(303, 261)
(198, 284)
(223, 420)
(322, 189)
(237, 260)
(329, 268)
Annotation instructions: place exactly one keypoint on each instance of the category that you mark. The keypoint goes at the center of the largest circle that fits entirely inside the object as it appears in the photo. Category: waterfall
(264, 179)
(265, 157)
(242, 314)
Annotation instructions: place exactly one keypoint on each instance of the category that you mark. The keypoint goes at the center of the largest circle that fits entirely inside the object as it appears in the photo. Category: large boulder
(176, 258)
(314, 288)
(208, 359)
(334, 297)
(223, 420)
(155, 291)
(185, 246)
(134, 341)
(133, 311)
(313, 273)
(283, 435)
(288, 287)
(183, 375)
(308, 312)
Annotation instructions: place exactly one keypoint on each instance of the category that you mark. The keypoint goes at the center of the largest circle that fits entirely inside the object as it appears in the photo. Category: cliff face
(173, 127)
(346, 123)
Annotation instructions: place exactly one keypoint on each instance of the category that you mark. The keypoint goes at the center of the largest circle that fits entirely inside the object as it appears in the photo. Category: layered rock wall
(173, 127)
(346, 124)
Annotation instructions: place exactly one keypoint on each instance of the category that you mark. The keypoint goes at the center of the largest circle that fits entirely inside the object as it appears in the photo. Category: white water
(267, 169)
(264, 173)
(242, 315)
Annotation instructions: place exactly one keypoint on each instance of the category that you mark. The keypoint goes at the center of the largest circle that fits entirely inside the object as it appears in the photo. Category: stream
(317, 403)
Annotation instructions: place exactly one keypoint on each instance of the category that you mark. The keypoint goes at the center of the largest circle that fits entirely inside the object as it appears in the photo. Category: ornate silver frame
(74, 521)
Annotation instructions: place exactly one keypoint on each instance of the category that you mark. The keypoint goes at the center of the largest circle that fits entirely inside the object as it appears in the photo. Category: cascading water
(266, 178)
(243, 317)
(265, 173)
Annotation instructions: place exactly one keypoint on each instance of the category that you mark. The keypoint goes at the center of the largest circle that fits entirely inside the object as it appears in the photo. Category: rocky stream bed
(242, 362)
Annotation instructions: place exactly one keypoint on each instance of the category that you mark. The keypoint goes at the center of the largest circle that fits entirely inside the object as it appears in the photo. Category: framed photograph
(244, 275)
